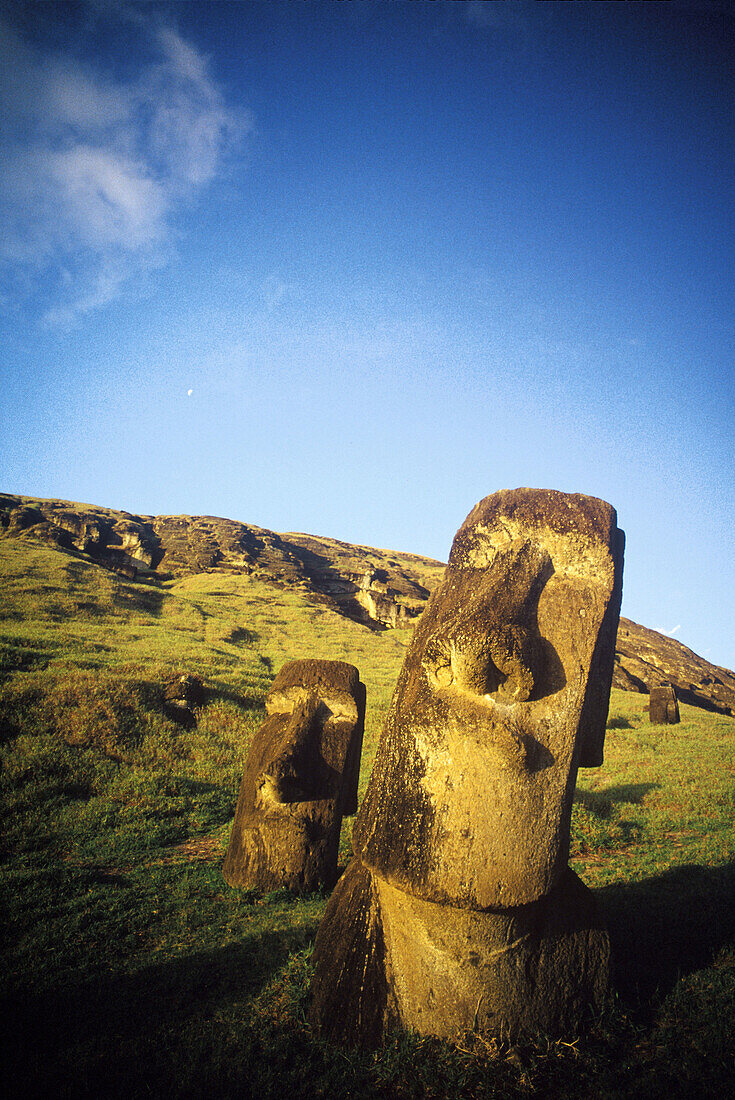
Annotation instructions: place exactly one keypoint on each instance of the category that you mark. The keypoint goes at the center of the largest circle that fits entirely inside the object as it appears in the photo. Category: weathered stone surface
(181, 695)
(504, 691)
(187, 688)
(442, 970)
(379, 588)
(507, 972)
(352, 1001)
(663, 709)
(117, 540)
(460, 883)
(300, 779)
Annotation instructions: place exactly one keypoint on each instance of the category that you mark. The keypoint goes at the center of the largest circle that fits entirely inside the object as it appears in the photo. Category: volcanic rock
(463, 833)
(663, 708)
(300, 779)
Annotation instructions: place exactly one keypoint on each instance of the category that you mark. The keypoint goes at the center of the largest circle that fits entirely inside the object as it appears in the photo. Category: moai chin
(459, 905)
(300, 779)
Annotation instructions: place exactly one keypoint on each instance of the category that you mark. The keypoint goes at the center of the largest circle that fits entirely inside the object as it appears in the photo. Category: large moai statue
(459, 910)
(300, 779)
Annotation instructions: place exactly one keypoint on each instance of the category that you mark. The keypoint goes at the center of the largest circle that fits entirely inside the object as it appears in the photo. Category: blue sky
(347, 268)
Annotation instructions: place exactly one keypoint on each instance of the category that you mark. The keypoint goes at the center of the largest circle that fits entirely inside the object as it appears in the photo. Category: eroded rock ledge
(379, 588)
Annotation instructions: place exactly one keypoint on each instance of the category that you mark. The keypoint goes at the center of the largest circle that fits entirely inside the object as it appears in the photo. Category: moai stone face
(459, 910)
(502, 695)
(663, 707)
(300, 779)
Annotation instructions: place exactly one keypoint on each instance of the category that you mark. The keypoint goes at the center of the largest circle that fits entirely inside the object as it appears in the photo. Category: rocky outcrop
(644, 659)
(115, 539)
(380, 588)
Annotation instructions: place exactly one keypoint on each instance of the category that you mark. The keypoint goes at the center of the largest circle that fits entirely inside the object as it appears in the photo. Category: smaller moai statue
(663, 708)
(300, 779)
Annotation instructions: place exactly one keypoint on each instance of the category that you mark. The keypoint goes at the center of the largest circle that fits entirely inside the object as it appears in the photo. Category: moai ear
(351, 772)
(593, 719)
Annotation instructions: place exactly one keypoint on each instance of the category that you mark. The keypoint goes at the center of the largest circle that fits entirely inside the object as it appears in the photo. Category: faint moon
(189, 393)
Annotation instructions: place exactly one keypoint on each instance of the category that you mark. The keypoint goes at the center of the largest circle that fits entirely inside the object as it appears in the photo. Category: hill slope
(129, 969)
(379, 589)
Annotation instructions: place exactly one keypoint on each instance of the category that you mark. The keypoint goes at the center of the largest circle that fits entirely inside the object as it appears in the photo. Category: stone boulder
(300, 779)
(182, 693)
(459, 894)
(663, 708)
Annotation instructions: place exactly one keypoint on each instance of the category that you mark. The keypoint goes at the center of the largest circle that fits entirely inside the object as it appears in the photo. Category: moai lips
(300, 779)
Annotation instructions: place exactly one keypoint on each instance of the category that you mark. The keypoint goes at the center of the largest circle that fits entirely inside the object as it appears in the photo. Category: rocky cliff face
(644, 659)
(380, 588)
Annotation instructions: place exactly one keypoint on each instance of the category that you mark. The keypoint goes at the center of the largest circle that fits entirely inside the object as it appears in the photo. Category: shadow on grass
(600, 803)
(241, 699)
(79, 1039)
(619, 723)
(665, 927)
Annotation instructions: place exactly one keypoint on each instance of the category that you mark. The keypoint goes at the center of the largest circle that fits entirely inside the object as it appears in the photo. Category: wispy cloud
(98, 169)
(501, 15)
(668, 633)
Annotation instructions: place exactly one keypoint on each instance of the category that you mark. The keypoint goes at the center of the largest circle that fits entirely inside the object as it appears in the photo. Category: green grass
(131, 969)
(665, 794)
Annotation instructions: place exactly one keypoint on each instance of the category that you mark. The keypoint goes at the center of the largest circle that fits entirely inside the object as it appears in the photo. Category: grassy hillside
(372, 587)
(131, 969)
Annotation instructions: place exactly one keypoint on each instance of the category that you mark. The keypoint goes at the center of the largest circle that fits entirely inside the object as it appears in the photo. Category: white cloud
(108, 199)
(77, 99)
(500, 15)
(104, 285)
(189, 124)
(668, 633)
(98, 169)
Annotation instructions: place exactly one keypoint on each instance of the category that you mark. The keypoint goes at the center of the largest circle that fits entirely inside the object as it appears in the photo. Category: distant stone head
(300, 779)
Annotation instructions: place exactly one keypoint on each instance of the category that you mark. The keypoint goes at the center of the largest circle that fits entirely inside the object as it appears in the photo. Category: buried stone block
(300, 779)
(459, 909)
(182, 694)
(663, 707)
